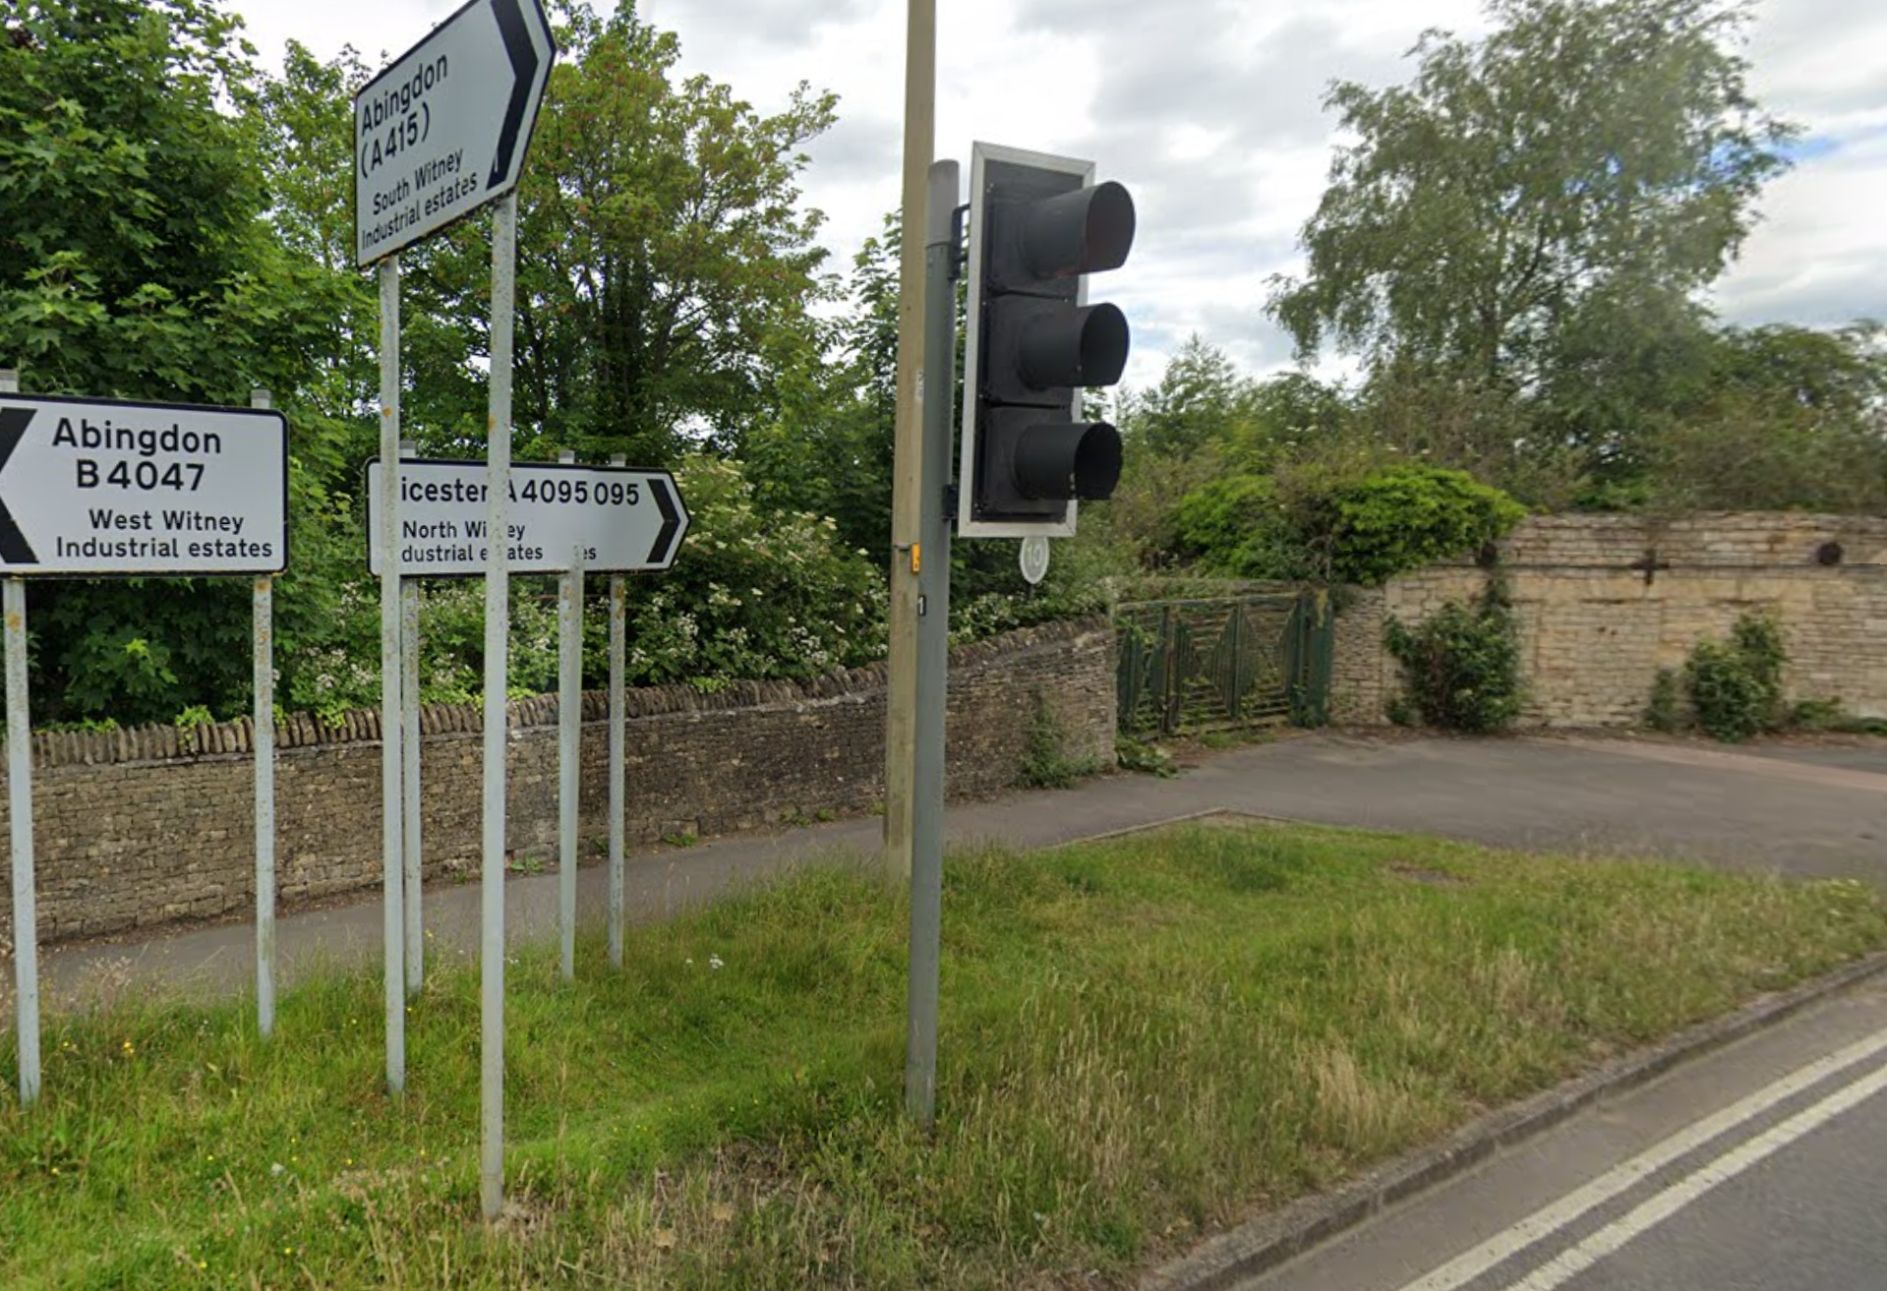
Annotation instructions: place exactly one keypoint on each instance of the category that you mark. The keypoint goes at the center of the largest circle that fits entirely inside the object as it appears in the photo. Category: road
(1762, 1167)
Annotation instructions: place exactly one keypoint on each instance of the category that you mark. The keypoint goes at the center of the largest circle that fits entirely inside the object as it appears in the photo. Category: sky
(1211, 112)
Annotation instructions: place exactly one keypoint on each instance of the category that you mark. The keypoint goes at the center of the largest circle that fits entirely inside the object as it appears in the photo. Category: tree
(662, 244)
(135, 262)
(1200, 397)
(127, 201)
(828, 447)
(1791, 419)
(1539, 206)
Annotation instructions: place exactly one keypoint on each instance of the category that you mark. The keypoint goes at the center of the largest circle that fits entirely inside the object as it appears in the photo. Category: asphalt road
(1762, 1167)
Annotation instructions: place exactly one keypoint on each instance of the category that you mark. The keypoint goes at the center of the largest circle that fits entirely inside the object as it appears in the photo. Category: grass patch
(1143, 1040)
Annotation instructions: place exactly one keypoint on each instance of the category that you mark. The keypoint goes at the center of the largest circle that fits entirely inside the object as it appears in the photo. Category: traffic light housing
(1038, 225)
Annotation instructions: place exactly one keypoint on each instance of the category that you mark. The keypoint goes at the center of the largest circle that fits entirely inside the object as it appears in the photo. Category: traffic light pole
(908, 484)
(933, 646)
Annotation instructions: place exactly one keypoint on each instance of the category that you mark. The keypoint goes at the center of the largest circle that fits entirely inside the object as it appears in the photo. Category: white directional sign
(621, 518)
(92, 487)
(444, 129)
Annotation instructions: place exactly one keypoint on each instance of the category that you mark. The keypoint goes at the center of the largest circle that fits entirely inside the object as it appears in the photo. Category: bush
(1338, 526)
(1046, 761)
(1736, 686)
(1664, 712)
(1462, 664)
(1233, 525)
(1403, 517)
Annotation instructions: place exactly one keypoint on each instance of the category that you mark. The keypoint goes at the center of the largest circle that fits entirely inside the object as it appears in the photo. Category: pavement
(1761, 1165)
(1764, 810)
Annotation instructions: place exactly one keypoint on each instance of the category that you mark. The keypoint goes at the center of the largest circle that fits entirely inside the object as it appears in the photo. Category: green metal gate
(1210, 664)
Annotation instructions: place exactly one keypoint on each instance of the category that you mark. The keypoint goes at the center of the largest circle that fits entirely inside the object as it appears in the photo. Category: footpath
(1743, 810)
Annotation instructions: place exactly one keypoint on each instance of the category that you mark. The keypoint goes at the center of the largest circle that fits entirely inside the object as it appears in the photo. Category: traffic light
(1037, 225)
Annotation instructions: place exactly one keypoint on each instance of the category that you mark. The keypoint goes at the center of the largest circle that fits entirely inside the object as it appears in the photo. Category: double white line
(1550, 1219)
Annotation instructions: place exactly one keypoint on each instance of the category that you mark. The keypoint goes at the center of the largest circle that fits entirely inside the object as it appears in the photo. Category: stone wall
(1605, 601)
(136, 828)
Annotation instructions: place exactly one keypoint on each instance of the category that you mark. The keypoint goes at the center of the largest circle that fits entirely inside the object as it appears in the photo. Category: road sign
(96, 487)
(444, 129)
(1034, 559)
(623, 519)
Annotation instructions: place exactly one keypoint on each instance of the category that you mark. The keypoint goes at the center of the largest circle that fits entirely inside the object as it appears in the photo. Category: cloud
(1818, 259)
(1211, 111)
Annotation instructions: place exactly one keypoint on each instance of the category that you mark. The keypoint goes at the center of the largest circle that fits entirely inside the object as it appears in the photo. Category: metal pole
(618, 791)
(263, 747)
(20, 826)
(409, 776)
(392, 838)
(491, 952)
(933, 651)
(907, 556)
(569, 747)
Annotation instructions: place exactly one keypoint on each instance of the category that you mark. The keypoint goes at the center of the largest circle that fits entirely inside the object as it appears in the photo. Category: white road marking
(1464, 1268)
(1576, 1260)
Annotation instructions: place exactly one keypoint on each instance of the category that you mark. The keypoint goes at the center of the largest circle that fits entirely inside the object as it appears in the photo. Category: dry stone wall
(1603, 602)
(138, 828)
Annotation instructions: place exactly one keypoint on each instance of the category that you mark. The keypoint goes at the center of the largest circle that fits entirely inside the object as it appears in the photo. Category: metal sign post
(569, 747)
(438, 134)
(20, 828)
(409, 776)
(491, 954)
(618, 633)
(392, 766)
(933, 650)
(262, 722)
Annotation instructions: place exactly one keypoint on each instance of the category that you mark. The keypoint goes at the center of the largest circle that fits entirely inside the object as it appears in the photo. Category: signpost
(97, 488)
(437, 135)
(444, 129)
(262, 748)
(569, 744)
(410, 742)
(623, 519)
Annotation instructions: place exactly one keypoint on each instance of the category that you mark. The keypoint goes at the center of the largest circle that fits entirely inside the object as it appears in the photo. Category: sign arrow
(524, 68)
(672, 521)
(14, 549)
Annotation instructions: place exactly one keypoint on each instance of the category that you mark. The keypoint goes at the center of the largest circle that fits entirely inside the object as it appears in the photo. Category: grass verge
(1143, 1040)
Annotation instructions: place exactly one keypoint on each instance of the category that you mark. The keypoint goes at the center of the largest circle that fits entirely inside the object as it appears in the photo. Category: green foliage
(1462, 664)
(1144, 757)
(1528, 224)
(1791, 419)
(1046, 760)
(1827, 715)
(1404, 517)
(667, 261)
(754, 594)
(1664, 712)
(1320, 524)
(1234, 526)
(1735, 687)
(1439, 240)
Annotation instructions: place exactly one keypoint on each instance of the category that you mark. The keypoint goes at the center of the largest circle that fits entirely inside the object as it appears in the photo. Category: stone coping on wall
(1693, 540)
(159, 743)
